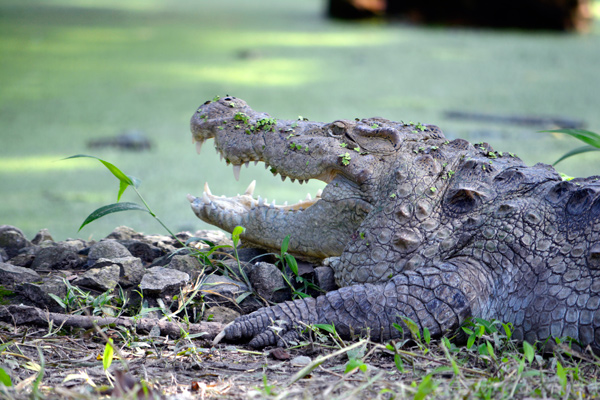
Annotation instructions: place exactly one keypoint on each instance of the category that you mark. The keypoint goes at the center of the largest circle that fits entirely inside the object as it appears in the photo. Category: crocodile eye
(338, 128)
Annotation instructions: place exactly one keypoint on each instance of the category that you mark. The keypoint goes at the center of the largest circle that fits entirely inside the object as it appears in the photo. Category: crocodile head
(351, 157)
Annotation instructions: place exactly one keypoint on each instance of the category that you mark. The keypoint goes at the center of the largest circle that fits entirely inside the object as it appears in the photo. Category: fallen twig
(27, 315)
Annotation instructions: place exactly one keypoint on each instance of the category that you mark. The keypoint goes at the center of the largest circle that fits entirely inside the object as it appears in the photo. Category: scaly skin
(438, 231)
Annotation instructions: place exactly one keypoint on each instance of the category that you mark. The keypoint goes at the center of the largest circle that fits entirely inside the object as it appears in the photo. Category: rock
(13, 275)
(42, 236)
(160, 281)
(221, 290)
(252, 254)
(300, 361)
(38, 293)
(125, 233)
(56, 256)
(103, 279)
(188, 264)
(147, 252)
(107, 249)
(22, 260)
(325, 279)
(219, 238)
(220, 314)
(268, 282)
(12, 240)
(131, 270)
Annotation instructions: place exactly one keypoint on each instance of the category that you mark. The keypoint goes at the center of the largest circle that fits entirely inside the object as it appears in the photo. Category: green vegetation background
(75, 70)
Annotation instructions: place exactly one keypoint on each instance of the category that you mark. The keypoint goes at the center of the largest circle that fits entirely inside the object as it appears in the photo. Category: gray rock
(12, 240)
(268, 282)
(13, 275)
(56, 256)
(325, 279)
(22, 260)
(188, 264)
(42, 236)
(219, 238)
(103, 279)
(220, 290)
(220, 314)
(300, 361)
(125, 233)
(147, 252)
(107, 249)
(131, 270)
(38, 293)
(163, 281)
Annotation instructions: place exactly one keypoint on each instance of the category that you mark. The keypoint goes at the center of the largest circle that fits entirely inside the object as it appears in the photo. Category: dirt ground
(184, 368)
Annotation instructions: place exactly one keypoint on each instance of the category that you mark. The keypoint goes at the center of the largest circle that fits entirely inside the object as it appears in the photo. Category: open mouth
(243, 203)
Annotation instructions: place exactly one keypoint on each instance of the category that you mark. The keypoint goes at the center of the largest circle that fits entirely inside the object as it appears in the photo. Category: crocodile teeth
(207, 189)
(221, 156)
(247, 163)
(191, 198)
(260, 201)
(250, 190)
(300, 181)
(199, 144)
(308, 197)
(266, 166)
(293, 180)
(283, 178)
(205, 198)
(236, 171)
(255, 163)
(319, 192)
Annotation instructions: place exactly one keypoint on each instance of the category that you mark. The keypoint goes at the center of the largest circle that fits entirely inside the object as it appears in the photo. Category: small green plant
(591, 139)
(240, 116)
(345, 158)
(77, 301)
(286, 259)
(125, 181)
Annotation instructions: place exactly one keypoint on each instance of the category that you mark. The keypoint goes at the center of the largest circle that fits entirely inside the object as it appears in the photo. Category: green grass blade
(114, 170)
(110, 209)
(579, 150)
(591, 138)
(5, 378)
(108, 356)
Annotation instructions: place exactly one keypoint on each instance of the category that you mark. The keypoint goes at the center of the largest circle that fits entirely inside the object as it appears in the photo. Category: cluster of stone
(155, 269)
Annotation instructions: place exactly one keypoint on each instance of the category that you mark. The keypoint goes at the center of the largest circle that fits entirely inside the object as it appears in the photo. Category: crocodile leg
(439, 298)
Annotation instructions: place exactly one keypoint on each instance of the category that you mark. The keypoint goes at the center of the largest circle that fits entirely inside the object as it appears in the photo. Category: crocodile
(414, 226)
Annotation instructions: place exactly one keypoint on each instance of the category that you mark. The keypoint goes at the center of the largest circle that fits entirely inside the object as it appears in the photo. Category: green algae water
(74, 70)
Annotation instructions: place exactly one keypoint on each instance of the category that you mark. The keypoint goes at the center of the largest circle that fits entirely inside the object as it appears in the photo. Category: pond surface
(74, 70)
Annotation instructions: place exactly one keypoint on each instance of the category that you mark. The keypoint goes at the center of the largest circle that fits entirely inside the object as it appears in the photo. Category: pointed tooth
(255, 163)
(283, 178)
(260, 201)
(247, 163)
(191, 198)
(236, 172)
(293, 180)
(300, 181)
(205, 198)
(199, 144)
(308, 197)
(285, 203)
(207, 189)
(273, 203)
(250, 190)
(266, 166)
(319, 192)
(221, 157)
